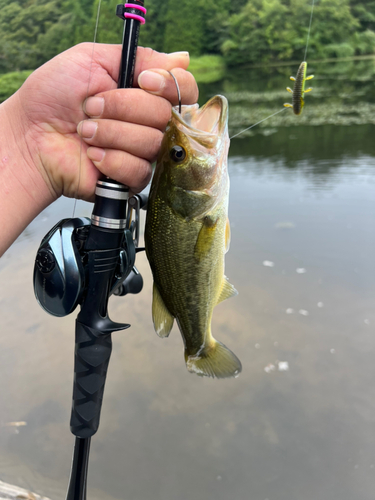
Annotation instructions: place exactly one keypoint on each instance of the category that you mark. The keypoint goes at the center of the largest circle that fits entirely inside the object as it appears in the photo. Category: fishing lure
(299, 89)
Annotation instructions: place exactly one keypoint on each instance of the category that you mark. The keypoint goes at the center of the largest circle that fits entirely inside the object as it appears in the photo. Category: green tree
(152, 33)
(271, 30)
(184, 28)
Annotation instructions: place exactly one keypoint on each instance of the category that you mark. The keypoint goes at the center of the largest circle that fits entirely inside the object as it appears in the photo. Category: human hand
(128, 123)
(42, 156)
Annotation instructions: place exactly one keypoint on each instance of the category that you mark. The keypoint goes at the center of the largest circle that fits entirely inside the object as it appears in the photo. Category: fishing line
(277, 112)
(308, 33)
(255, 124)
(87, 94)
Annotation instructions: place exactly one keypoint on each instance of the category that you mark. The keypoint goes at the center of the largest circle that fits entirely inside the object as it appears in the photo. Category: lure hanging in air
(299, 89)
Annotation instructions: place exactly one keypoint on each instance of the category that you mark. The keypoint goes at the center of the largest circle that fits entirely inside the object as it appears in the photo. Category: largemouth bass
(187, 234)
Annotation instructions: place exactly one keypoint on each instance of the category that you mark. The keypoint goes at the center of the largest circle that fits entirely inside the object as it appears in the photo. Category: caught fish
(187, 234)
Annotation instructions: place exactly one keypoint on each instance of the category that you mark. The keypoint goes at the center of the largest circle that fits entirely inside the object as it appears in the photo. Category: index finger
(108, 56)
(148, 58)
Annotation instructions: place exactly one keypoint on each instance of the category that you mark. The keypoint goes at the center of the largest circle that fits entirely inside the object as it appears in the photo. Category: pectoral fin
(227, 291)
(205, 238)
(162, 318)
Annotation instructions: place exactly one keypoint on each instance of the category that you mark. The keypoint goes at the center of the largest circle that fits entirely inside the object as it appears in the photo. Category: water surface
(299, 421)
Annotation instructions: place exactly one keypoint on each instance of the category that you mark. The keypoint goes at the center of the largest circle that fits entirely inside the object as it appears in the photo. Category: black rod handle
(93, 344)
(92, 353)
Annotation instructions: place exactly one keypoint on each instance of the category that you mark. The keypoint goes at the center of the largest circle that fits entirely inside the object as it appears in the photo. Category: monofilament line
(87, 94)
(257, 123)
(308, 33)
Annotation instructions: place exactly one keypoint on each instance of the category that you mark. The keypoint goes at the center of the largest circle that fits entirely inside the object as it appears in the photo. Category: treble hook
(178, 91)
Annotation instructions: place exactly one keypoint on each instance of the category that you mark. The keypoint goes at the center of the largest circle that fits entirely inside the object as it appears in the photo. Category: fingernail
(96, 154)
(179, 54)
(87, 129)
(94, 106)
(151, 81)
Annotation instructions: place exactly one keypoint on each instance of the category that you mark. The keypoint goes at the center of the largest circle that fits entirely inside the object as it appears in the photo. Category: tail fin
(215, 361)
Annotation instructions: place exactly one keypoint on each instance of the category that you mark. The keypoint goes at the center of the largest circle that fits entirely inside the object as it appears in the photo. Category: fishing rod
(83, 261)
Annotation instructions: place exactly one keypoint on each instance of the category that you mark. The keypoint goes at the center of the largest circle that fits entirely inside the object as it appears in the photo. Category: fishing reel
(62, 265)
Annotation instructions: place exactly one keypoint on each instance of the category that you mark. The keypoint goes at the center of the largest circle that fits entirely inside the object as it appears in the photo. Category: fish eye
(177, 154)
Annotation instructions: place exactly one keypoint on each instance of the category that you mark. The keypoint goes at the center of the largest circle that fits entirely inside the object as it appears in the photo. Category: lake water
(299, 421)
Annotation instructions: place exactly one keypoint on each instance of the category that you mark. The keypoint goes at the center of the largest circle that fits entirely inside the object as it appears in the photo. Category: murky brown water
(299, 421)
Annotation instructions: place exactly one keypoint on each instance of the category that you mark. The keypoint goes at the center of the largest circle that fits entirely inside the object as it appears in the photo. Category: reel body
(62, 266)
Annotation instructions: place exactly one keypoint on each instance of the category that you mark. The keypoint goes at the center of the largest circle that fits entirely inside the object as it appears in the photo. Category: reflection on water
(298, 422)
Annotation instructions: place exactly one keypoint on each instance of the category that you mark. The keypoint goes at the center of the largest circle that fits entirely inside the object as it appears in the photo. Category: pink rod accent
(135, 6)
(141, 19)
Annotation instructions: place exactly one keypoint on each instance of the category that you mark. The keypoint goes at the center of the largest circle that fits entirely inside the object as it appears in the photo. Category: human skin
(69, 124)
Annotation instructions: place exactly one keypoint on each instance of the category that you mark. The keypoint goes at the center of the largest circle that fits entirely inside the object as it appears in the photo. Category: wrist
(23, 190)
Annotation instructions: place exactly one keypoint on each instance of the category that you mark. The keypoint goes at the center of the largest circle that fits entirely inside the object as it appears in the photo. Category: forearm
(23, 191)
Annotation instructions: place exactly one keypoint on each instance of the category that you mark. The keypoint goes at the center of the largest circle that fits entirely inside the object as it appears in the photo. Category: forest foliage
(241, 31)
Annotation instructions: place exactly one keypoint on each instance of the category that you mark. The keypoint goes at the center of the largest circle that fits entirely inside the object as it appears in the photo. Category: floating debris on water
(283, 366)
(285, 225)
(366, 321)
(320, 304)
(268, 131)
(289, 310)
(303, 312)
(270, 368)
(300, 270)
(15, 424)
(257, 346)
(219, 478)
(275, 344)
(332, 351)
(268, 263)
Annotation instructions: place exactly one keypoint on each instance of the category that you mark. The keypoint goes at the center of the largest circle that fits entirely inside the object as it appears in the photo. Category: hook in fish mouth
(205, 124)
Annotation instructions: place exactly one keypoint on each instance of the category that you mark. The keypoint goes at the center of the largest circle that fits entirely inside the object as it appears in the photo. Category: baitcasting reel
(62, 264)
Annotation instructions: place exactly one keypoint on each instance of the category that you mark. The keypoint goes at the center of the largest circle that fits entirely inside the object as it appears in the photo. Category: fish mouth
(203, 124)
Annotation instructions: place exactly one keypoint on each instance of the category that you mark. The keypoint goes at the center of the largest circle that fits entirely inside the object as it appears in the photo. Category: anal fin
(227, 291)
(162, 318)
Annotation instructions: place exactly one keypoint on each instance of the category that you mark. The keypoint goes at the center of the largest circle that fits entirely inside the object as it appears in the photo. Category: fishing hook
(178, 91)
